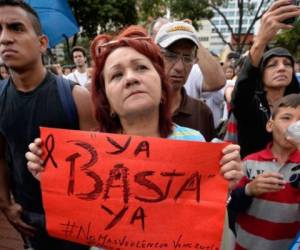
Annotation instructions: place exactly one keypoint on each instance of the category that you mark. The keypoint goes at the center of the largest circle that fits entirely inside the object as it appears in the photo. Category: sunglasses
(101, 47)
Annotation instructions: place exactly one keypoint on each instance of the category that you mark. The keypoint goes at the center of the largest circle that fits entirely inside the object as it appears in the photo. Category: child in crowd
(268, 197)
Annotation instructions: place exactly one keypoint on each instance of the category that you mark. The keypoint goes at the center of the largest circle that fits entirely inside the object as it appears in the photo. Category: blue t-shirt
(188, 134)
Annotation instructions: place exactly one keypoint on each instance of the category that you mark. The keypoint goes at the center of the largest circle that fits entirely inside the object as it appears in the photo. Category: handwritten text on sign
(128, 192)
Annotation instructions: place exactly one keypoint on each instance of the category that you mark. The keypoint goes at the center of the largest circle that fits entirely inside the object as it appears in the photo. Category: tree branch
(255, 19)
(223, 16)
(220, 34)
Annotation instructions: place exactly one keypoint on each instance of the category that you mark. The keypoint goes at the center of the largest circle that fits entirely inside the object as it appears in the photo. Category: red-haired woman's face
(132, 84)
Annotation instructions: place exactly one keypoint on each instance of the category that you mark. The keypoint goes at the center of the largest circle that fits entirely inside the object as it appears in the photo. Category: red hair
(136, 38)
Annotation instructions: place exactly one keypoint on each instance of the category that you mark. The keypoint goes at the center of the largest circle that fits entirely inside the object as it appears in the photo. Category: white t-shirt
(213, 99)
(194, 82)
(78, 77)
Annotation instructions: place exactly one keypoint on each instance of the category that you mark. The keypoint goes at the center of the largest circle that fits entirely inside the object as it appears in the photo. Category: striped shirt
(272, 220)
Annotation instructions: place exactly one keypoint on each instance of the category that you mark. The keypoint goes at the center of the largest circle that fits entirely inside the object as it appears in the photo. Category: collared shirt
(256, 225)
(267, 155)
(195, 114)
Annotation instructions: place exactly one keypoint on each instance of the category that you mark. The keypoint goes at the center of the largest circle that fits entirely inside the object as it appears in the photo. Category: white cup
(294, 131)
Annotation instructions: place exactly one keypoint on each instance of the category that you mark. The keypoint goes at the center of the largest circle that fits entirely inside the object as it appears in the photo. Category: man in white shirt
(80, 74)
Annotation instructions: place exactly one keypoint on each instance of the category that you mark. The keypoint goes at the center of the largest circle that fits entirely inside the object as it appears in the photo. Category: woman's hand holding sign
(33, 156)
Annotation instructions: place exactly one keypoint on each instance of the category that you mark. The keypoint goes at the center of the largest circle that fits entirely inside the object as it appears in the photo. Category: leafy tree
(178, 9)
(191, 9)
(149, 9)
(290, 39)
(95, 16)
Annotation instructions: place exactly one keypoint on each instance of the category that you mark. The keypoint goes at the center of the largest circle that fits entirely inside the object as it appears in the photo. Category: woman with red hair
(131, 96)
(129, 86)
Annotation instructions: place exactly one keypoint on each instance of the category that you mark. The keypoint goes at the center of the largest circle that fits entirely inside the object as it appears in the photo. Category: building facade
(231, 11)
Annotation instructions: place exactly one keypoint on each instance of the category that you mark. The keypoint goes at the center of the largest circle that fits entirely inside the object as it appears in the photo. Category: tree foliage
(151, 9)
(178, 9)
(96, 16)
(191, 9)
(290, 39)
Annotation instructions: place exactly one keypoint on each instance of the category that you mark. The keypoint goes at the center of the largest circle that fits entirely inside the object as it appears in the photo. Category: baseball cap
(172, 32)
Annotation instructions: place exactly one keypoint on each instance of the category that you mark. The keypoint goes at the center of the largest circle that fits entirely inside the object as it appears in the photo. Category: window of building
(204, 39)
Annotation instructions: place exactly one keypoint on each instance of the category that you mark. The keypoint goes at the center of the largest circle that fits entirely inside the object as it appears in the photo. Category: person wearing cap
(264, 78)
(179, 43)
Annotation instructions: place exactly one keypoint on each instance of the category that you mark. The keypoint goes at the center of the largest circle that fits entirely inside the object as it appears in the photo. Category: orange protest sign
(129, 192)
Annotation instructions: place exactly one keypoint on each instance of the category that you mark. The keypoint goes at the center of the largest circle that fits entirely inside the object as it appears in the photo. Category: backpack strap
(3, 85)
(64, 87)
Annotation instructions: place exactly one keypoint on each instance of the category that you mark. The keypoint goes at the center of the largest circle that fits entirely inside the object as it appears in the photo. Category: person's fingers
(258, 188)
(233, 175)
(232, 157)
(35, 169)
(285, 9)
(230, 148)
(274, 181)
(278, 4)
(35, 147)
(272, 174)
(31, 157)
(231, 165)
(32, 166)
(38, 141)
(283, 16)
(272, 177)
(273, 19)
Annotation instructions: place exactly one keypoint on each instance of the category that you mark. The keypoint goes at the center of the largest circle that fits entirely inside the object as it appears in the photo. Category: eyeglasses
(174, 57)
(112, 43)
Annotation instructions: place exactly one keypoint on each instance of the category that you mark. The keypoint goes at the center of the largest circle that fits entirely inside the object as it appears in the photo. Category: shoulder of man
(65, 90)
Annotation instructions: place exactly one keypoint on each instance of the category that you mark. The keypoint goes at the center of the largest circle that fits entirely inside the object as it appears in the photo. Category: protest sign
(130, 192)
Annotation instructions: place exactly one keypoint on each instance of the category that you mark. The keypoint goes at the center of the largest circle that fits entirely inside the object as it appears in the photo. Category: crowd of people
(162, 84)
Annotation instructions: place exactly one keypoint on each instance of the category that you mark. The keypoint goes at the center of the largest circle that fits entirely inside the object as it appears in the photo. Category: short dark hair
(233, 55)
(292, 100)
(78, 48)
(33, 16)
